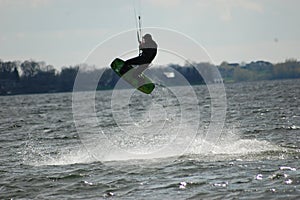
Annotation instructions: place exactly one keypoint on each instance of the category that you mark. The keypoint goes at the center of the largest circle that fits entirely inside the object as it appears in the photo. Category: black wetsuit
(149, 51)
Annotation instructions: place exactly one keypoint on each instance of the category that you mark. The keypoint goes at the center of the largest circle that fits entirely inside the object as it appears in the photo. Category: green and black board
(141, 82)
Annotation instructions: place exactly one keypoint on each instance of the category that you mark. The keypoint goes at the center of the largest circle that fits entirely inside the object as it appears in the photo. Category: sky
(64, 32)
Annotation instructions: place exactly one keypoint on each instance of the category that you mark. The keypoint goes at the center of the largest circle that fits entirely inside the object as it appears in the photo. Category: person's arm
(142, 46)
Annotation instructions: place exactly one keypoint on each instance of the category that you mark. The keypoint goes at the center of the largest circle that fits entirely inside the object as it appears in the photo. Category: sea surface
(126, 146)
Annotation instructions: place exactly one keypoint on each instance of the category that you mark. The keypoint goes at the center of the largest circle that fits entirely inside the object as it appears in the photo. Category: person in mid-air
(148, 51)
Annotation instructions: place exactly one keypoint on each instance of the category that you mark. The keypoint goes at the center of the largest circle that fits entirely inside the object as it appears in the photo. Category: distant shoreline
(31, 77)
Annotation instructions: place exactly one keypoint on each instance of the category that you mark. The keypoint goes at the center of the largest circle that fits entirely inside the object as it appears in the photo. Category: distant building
(169, 74)
(233, 64)
(259, 66)
(218, 80)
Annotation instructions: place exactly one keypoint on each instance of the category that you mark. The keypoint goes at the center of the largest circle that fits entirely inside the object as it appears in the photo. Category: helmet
(147, 36)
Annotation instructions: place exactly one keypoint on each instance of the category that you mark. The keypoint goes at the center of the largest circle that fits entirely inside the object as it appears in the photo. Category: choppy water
(256, 156)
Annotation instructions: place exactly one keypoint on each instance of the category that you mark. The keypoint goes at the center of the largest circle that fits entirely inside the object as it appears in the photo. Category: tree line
(37, 77)
(259, 70)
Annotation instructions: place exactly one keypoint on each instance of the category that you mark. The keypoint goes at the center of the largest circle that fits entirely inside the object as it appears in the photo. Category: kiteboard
(130, 75)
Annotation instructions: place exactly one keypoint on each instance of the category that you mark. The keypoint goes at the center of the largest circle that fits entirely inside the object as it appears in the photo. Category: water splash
(37, 156)
(231, 146)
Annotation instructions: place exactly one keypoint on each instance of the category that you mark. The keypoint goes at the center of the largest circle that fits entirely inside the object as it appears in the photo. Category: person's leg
(142, 62)
(133, 61)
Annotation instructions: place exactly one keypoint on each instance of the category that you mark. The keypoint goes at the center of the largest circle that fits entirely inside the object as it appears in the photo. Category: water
(43, 156)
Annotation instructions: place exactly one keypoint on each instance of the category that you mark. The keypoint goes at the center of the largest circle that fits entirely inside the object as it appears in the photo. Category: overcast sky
(63, 32)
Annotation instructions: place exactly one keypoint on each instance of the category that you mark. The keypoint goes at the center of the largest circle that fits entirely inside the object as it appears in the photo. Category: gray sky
(63, 32)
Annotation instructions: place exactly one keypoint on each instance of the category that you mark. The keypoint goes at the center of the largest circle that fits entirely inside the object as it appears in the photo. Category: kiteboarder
(148, 51)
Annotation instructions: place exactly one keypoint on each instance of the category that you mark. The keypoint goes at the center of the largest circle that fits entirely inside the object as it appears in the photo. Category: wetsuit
(148, 53)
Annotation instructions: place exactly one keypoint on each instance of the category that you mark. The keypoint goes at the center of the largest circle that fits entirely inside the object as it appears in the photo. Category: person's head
(147, 37)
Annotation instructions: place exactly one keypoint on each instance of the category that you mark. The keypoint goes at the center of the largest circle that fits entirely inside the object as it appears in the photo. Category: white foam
(229, 146)
(67, 157)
